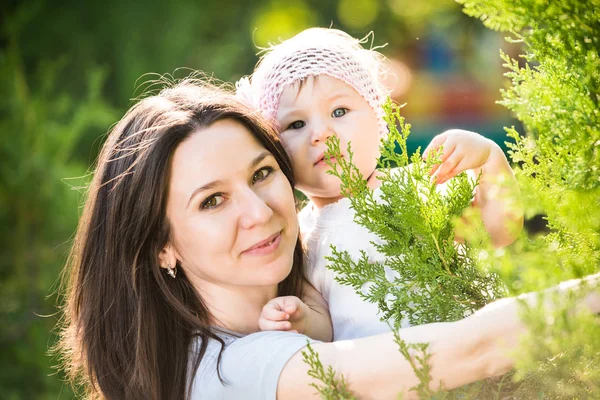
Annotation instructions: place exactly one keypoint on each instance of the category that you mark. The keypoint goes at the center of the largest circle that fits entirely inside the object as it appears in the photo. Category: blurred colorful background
(69, 70)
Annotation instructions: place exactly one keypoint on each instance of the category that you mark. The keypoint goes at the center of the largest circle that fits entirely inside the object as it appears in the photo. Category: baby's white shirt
(351, 316)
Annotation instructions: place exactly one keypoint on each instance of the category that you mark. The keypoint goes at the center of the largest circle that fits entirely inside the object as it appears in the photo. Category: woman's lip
(265, 246)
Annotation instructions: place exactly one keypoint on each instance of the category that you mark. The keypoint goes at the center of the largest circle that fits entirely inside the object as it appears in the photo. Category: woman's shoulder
(249, 366)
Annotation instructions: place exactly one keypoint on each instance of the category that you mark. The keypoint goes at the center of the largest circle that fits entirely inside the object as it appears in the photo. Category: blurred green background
(69, 69)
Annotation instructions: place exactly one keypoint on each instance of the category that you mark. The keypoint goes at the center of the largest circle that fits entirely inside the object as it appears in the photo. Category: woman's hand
(287, 313)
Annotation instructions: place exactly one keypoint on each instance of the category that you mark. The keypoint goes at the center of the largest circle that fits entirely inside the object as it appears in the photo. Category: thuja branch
(332, 387)
(434, 278)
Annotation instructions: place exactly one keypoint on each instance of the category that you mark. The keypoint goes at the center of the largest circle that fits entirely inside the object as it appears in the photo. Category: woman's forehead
(219, 152)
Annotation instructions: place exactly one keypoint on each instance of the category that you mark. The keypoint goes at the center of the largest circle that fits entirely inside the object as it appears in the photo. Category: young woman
(189, 229)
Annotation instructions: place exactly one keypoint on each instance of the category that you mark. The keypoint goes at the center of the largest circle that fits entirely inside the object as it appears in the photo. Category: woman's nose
(253, 209)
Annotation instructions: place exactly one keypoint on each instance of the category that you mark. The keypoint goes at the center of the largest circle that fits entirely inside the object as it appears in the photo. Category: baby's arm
(497, 195)
(309, 317)
(319, 326)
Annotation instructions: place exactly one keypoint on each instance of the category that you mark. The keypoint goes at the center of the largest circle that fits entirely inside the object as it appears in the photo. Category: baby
(323, 83)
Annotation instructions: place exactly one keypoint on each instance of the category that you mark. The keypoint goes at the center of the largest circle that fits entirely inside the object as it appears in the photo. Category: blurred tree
(41, 127)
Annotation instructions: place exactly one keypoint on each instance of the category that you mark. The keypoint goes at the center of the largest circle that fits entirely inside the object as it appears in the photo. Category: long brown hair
(127, 327)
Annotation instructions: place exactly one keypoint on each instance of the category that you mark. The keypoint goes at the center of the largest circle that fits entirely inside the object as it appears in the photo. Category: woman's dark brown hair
(128, 328)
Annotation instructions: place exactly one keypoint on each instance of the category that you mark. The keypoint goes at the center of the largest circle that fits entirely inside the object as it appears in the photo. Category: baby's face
(311, 112)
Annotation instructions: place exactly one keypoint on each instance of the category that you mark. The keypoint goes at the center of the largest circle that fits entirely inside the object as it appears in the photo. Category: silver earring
(171, 271)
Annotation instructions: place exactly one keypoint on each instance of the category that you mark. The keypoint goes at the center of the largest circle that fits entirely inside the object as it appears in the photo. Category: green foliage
(42, 127)
(555, 92)
(332, 387)
(561, 353)
(556, 95)
(426, 276)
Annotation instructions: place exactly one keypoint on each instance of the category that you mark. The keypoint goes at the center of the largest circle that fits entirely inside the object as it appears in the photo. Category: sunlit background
(69, 69)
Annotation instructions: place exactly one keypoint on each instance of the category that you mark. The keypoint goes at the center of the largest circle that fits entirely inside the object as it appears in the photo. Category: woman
(188, 231)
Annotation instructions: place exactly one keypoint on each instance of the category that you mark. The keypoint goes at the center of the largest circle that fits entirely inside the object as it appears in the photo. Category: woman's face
(231, 210)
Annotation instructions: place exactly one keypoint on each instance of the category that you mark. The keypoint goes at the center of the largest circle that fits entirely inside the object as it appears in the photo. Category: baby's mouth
(323, 161)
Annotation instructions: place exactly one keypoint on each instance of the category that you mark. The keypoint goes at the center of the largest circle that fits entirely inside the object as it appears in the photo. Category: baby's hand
(287, 313)
(462, 150)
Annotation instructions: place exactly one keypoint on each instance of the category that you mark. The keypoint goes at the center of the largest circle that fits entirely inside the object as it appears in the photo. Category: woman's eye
(339, 112)
(297, 125)
(261, 174)
(212, 201)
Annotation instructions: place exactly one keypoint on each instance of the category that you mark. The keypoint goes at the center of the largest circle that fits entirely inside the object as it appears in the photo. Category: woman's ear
(168, 257)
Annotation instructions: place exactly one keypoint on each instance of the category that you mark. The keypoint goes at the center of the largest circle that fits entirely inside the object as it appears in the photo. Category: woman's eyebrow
(202, 188)
(257, 160)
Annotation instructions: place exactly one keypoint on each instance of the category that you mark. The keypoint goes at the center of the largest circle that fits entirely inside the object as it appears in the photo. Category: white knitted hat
(315, 51)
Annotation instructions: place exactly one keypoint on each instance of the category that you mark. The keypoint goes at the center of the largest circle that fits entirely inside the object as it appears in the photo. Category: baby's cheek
(293, 151)
(302, 180)
(299, 162)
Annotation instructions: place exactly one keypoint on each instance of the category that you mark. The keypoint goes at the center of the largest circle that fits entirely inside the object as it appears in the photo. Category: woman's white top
(250, 365)
(351, 316)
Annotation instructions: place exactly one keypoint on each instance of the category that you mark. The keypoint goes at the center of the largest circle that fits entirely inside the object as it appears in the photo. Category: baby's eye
(339, 112)
(297, 125)
(262, 174)
(212, 202)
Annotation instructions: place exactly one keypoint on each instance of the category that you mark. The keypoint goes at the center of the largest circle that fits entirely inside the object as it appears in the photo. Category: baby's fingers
(463, 165)
(274, 314)
(435, 143)
(447, 169)
(290, 306)
(267, 325)
(447, 152)
(434, 169)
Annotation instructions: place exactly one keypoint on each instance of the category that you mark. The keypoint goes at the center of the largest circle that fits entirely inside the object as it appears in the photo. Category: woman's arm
(462, 352)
